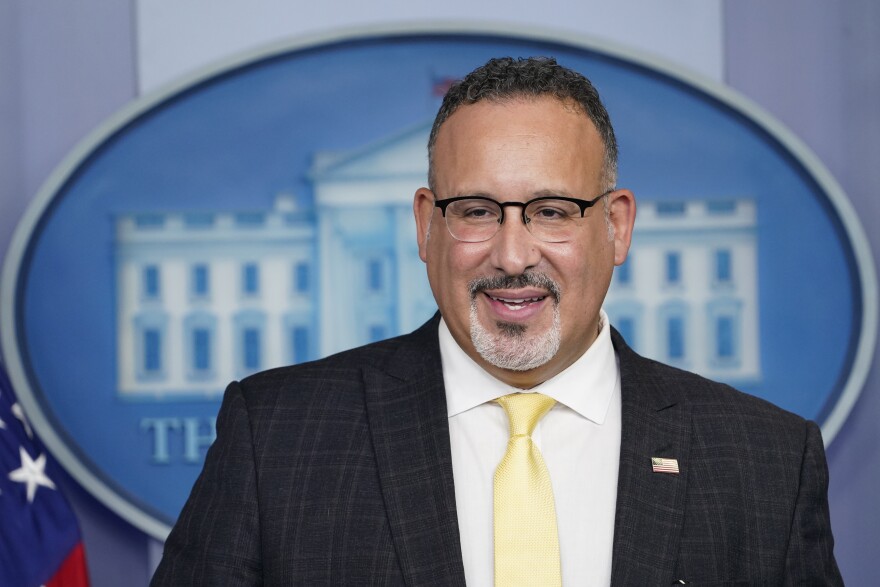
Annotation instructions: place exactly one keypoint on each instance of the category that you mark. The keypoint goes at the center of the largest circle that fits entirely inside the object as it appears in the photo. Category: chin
(514, 346)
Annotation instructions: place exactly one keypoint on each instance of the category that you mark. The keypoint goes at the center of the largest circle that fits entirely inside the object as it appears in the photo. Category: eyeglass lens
(477, 220)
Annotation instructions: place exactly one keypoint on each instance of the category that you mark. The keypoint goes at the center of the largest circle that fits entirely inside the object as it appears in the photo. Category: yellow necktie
(526, 539)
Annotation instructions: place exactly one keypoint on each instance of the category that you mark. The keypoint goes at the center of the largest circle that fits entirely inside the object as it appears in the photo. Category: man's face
(511, 300)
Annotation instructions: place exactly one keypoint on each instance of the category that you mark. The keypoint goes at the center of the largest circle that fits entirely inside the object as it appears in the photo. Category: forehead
(522, 142)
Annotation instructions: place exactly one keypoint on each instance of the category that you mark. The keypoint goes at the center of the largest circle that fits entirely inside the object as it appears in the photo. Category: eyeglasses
(552, 219)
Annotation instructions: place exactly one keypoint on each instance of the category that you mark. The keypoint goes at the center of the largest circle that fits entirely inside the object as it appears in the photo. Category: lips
(516, 304)
(514, 299)
(530, 286)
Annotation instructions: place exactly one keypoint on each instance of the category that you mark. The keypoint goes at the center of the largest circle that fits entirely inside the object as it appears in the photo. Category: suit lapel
(406, 408)
(650, 506)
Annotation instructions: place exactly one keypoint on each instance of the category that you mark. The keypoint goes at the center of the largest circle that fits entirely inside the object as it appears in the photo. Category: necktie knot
(524, 411)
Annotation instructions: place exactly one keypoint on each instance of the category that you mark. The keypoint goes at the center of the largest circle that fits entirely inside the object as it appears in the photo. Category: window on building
(721, 206)
(250, 219)
(377, 332)
(250, 346)
(724, 338)
(627, 328)
(673, 267)
(149, 332)
(299, 343)
(200, 277)
(199, 339)
(301, 278)
(675, 347)
(250, 279)
(201, 349)
(375, 275)
(152, 348)
(149, 221)
(198, 220)
(251, 351)
(723, 316)
(295, 218)
(670, 208)
(151, 282)
(723, 266)
(626, 315)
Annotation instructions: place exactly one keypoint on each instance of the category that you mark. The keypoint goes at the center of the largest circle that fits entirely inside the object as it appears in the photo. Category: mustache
(526, 279)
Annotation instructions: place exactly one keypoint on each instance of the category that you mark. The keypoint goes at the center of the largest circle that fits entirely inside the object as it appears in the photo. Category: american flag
(440, 85)
(40, 543)
(661, 465)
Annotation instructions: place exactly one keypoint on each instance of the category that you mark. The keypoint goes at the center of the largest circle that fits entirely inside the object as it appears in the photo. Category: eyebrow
(538, 194)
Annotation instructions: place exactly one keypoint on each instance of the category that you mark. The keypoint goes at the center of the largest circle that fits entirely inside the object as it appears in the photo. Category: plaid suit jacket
(338, 472)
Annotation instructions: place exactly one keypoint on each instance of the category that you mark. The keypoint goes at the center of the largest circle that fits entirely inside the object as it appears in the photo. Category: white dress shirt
(579, 439)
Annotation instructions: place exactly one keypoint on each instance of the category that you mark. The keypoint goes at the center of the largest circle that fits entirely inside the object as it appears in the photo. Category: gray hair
(504, 79)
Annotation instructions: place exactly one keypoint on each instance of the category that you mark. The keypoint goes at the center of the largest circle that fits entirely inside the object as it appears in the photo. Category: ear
(423, 209)
(622, 216)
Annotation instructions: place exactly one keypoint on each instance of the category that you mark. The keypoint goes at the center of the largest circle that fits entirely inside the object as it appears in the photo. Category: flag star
(32, 473)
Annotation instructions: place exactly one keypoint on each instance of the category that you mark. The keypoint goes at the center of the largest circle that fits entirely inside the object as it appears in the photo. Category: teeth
(516, 304)
(517, 301)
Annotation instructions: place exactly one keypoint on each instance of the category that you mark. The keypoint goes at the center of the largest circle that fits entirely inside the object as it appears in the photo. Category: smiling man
(514, 439)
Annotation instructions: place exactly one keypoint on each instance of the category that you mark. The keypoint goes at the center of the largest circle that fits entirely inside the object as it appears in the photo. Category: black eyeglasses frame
(582, 204)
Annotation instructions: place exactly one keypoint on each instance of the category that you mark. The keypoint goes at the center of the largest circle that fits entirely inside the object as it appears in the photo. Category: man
(378, 465)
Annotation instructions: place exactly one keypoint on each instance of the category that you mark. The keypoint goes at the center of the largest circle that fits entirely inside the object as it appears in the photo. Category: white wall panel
(175, 38)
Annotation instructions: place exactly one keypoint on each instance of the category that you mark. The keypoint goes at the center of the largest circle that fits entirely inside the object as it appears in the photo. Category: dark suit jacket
(338, 472)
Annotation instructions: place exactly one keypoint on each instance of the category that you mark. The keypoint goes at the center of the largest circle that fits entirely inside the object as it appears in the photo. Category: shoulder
(339, 377)
(714, 406)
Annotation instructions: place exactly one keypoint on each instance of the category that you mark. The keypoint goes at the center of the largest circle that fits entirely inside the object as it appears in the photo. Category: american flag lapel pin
(661, 465)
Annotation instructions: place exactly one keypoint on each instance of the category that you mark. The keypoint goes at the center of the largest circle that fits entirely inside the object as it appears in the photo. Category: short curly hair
(506, 78)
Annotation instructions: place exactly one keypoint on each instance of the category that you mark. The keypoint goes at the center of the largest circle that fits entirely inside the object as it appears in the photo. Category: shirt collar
(586, 386)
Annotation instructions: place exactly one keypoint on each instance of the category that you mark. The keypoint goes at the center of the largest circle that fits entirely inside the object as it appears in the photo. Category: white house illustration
(207, 297)
(373, 283)
(688, 293)
(204, 298)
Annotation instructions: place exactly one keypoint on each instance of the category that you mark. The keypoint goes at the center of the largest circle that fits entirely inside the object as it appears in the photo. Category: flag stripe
(72, 572)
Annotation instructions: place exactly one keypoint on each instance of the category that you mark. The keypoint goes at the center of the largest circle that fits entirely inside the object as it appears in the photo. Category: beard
(514, 346)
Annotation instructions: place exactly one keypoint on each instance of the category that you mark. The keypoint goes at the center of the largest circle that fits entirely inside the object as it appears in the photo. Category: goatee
(513, 346)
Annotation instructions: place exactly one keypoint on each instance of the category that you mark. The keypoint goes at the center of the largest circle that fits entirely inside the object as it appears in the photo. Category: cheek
(585, 273)
(450, 268)
(457, 260)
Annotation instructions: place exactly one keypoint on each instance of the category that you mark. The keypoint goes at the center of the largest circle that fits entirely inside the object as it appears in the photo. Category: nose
(514, 249)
